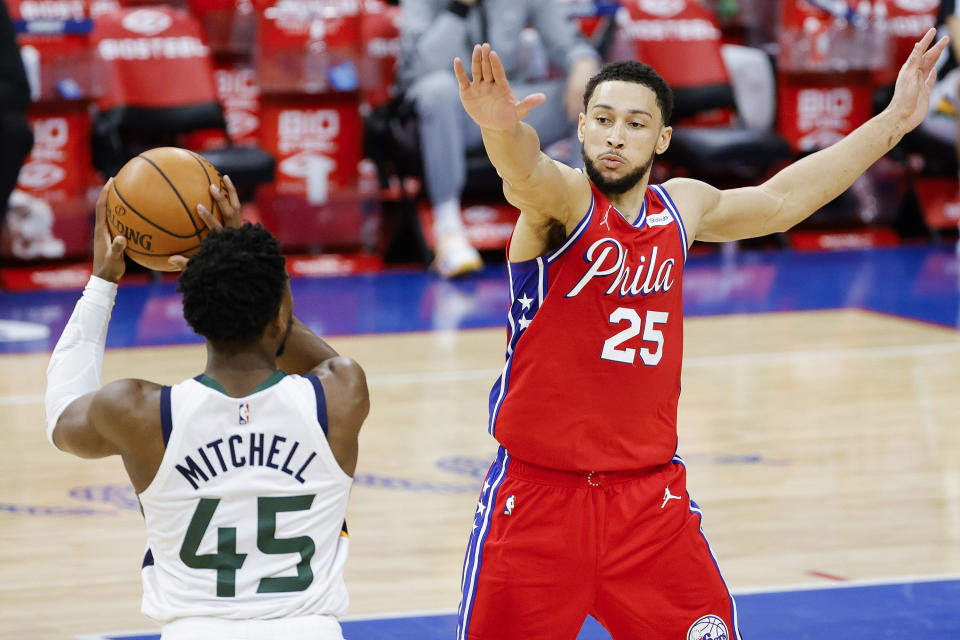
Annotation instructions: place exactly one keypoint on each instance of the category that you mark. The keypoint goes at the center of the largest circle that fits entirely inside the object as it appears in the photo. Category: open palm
(911, 97)
(488, 99)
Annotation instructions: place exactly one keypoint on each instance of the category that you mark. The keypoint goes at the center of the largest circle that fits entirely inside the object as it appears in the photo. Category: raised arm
(82, 418)
(545, 191)
(799, 190)
(344, 385)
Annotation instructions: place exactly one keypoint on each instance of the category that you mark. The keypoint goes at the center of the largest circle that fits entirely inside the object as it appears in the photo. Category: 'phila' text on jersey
(609, 262)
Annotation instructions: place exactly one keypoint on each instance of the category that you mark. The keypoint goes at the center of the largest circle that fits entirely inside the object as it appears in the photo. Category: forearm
(513, 152)
(76, 364)
(304, 350)
(808, 184)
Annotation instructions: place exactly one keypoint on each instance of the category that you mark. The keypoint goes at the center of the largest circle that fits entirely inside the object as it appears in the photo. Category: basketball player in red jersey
(585, 509)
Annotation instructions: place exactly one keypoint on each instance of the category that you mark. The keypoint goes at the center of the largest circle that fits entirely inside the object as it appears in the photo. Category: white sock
(446, 218)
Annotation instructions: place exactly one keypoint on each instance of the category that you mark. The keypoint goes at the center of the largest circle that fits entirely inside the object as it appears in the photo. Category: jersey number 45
(226, 561)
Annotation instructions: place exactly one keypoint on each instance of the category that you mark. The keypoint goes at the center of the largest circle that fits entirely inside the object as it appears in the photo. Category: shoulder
(125, 408)
(345, 389)
(693, 199)
(695, 194)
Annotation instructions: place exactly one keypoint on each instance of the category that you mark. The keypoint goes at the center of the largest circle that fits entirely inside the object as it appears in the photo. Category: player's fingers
(531, 101)
(461, 74)
(117, 247)
(178, 262)
(485, 62)
(931, 79)
(475, 64)
(230, 214)
(926, 40)
(232, 193)
(101, 207)
(499, 75)
(931, 56)
(208, 218)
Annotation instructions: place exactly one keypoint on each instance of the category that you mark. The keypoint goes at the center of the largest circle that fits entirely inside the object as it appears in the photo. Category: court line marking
(428, 613)
(697, 362)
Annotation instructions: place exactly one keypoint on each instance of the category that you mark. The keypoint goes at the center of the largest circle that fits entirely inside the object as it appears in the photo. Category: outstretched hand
(911, 96)
(108, 260)
(229, 206)
(488, 99)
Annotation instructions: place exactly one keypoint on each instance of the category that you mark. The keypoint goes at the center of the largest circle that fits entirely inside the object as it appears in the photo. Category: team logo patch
(508, 510)
(659, 219)
(708, 628)
(244, 415)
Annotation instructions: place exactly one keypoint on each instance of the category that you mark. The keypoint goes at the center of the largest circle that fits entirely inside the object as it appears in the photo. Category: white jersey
(246, 515)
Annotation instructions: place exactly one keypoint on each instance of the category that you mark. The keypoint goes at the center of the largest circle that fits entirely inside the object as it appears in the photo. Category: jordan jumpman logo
(668, 496)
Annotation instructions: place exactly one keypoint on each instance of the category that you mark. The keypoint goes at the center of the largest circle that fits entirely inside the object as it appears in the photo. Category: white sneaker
(456, 256)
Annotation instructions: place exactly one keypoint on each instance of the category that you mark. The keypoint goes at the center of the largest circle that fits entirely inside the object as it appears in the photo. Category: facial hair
(615, 185)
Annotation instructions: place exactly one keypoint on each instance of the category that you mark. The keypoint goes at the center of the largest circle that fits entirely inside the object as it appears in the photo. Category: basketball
(153, 204)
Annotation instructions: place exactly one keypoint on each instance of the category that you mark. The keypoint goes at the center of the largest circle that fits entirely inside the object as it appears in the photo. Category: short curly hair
(232, 288)
(639, 73)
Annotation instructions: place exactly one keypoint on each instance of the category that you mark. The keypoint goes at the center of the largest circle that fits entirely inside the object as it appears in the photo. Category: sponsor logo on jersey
(508, 510)
(609, 261)
(659, 219)
(244, 413)
(708, 628)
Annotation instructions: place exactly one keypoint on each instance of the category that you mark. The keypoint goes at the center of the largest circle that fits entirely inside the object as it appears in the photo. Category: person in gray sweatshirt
(436, 31)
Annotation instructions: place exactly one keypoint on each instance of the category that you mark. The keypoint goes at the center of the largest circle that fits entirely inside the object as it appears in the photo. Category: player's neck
(240, 371)
(629, 203)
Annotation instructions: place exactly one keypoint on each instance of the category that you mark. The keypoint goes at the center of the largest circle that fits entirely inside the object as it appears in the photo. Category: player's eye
(603, 119)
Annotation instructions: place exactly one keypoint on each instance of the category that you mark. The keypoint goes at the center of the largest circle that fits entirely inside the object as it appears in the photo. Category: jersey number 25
(611, 346)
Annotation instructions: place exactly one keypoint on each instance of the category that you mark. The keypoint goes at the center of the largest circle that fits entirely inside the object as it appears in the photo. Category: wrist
(100, 291)
(894, 124)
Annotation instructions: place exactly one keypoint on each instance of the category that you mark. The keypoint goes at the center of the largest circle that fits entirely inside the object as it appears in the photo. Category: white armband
(77, 361)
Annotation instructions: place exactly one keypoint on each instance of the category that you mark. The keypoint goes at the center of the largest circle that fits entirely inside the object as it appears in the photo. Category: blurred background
(819, 410)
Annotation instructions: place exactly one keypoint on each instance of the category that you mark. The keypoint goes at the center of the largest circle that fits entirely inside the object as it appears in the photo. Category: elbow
(781, 218)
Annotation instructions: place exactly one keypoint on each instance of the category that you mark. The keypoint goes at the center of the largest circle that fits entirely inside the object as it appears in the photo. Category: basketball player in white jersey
(243, 472)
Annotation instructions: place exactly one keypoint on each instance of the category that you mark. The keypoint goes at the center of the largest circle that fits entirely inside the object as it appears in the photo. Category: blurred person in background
(941, 120)
(14, 101)
(436, 31)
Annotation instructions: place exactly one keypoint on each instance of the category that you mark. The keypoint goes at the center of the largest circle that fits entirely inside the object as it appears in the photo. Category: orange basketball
(153, 203)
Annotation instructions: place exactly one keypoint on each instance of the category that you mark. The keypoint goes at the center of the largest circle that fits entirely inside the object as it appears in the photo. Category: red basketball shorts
(549, 547)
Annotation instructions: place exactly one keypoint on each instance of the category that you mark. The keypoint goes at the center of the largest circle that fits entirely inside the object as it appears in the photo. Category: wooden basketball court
(822, 446)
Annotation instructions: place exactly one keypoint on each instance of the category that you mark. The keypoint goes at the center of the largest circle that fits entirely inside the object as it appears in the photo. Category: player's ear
(666, 133)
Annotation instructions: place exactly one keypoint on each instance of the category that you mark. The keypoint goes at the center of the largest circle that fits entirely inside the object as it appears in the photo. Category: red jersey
(595, 344)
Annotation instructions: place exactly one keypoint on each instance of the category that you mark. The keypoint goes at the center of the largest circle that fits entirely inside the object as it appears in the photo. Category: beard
(615, 185)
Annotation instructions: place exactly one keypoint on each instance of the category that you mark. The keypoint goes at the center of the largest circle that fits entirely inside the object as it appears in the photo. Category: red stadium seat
(161, 86)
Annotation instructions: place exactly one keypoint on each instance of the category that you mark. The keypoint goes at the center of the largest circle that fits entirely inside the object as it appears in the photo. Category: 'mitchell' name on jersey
(595, 341)
(246, 450)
